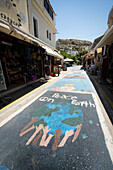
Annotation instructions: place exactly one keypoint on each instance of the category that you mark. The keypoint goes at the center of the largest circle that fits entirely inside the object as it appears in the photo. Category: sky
(81, 19)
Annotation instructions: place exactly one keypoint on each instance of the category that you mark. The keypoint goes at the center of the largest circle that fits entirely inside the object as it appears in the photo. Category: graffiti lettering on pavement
(73, 100)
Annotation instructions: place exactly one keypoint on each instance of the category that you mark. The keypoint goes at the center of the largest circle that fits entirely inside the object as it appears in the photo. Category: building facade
(27, 41)
(106, 43)
(42, 21)
(15, 12)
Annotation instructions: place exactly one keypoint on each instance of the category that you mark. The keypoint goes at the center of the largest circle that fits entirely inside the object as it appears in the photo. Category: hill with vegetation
(76, 58)
(66, 44)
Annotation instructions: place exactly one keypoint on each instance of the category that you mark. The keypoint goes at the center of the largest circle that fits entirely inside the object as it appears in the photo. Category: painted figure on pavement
(54, 120)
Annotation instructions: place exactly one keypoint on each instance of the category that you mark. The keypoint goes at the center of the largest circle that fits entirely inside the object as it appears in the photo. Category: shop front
(53, 62)
(110, 65)
(107, 65)
(107, 56)
(23, 57)
(21, 62)
(83, 57)
(89, 60)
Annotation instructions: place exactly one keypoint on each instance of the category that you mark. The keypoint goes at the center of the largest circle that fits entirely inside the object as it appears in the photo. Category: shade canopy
(68, 60)
(20, 34)
(110, 16)
(107, 38)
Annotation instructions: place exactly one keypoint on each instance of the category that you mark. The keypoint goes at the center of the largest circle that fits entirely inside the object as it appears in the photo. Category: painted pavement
(75, 81)
(60, 130)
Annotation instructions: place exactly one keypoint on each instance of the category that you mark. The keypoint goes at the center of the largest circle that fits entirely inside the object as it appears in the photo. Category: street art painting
(58, 129)
(74, 76)
(59, 117)
(73, 82)
(2, 168)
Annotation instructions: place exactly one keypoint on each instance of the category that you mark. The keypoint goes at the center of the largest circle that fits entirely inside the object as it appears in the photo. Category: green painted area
(72, 108)
(55, 103)
(84, 136)
(91, 122)
(63, 104)
(41, 121)
(45, 111)
(73, 121)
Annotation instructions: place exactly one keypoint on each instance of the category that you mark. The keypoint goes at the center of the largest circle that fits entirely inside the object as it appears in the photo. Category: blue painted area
(81, 84)
(55, 120)
(2, 168)
(78, 74)
(75, 80)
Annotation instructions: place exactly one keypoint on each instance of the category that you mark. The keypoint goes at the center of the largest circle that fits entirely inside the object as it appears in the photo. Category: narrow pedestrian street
(60, 125)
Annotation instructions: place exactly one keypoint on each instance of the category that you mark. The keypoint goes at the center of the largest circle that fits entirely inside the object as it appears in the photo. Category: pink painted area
(23, 133)
(34, 134)
(77, 132)
(44, 141)
(57, 88)
(67, 135)
(29, 124)
(75, 77)
(48, 140)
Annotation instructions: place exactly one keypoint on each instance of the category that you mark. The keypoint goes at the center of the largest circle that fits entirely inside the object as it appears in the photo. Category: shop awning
(51, 52)
(107, 38)
(68, 59)
(95, 42)
(110, 17)
(20, 34)
(14, 32)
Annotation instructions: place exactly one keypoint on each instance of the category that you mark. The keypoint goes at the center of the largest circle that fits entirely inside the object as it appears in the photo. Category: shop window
(48, 8)
(47, 34)
(50, 12)
(46, 5)
(35, 26)
(50, 36)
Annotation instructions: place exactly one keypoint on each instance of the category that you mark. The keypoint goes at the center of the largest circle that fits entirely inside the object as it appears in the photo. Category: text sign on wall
(5, 4)
(9, 14)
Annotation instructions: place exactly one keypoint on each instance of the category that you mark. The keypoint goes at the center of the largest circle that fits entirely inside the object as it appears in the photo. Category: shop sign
(5, 4)
(6, 18)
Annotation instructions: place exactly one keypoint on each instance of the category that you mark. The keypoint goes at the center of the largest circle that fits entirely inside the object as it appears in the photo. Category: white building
(73, 53)
(42, 21)
(27, 40)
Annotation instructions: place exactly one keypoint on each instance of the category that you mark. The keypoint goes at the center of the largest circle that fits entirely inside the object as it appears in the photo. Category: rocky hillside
(74, 44)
